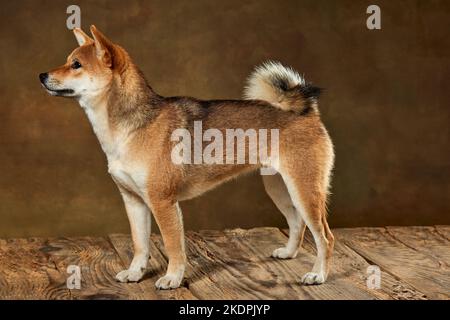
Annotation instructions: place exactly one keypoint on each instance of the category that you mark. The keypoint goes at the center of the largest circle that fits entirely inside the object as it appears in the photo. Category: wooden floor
(234, 264)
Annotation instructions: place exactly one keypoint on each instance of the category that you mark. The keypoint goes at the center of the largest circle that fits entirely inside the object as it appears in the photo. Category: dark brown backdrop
(386, 105)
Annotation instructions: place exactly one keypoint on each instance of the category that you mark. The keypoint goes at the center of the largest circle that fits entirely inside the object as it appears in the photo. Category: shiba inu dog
(134, 126)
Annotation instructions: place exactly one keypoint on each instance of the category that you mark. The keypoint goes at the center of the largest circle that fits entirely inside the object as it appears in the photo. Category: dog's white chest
(132, 178)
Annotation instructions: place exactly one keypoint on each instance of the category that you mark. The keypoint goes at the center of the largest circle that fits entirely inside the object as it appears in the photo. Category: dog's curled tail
(283, 87)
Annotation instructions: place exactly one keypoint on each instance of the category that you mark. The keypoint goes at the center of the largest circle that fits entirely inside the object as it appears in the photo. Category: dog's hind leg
(140, 223)
(310, 200)
(278, 192)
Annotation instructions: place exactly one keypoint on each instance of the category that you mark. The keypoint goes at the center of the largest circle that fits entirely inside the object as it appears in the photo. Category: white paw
(284, 253)
(312, 278)
(169, 281)
(130, 275)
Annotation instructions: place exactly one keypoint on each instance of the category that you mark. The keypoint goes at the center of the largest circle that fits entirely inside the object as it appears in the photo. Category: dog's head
(89, 69)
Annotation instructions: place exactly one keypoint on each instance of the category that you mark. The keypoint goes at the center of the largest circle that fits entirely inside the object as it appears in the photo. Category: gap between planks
(349, 265)
(156, 268)
(236, 264)
(418, 256)
(233, 264)
(36, 268)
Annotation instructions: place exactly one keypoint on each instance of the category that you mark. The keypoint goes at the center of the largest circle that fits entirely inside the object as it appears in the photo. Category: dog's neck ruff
(116, 113)
(97, 113)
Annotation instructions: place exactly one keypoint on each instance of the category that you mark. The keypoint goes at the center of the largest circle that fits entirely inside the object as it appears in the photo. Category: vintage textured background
(387, 105)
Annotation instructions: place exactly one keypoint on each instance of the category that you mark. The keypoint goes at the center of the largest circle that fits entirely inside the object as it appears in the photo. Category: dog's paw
(284, 253)
(169, 281)
(312, 278)
(130, 275)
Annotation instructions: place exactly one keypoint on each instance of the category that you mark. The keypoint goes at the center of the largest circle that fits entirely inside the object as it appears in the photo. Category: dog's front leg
(170, 222)
(140, 224)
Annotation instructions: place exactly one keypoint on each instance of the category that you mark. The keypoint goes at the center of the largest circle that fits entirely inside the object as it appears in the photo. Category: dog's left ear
(103, 46)
(82, 38)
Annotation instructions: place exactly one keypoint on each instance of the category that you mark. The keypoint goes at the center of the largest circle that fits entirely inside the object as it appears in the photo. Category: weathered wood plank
(350, 266)
(444, 231)
(335, 289)
(204, 271)
(99, 263)
(422, 271)
(28, 272)
(236, 264)
(425, 240)
(156, 268)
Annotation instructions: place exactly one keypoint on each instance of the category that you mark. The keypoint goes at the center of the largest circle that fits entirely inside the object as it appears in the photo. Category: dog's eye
(76, 65)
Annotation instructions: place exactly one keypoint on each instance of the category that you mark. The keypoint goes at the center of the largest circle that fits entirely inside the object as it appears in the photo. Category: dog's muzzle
(43, 77)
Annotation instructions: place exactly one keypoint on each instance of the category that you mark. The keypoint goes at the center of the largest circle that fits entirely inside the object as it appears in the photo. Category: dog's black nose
(43, 77)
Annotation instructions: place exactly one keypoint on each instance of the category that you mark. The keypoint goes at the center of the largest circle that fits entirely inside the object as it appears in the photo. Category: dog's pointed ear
(103, 46)
(82, 38)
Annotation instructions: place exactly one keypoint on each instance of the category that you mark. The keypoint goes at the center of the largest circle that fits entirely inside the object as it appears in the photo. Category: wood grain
(99, 264)
(236, 264)
(27, 271)
(351, 267)
(205, 274)
(422, 271)
(444, 231)
(156, 268)
(426, 240)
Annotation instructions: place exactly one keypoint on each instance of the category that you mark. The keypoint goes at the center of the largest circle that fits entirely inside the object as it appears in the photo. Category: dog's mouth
(59, 92)
(62, 91)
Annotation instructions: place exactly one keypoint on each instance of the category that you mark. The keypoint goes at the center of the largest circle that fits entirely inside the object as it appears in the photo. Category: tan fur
(134, 126)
